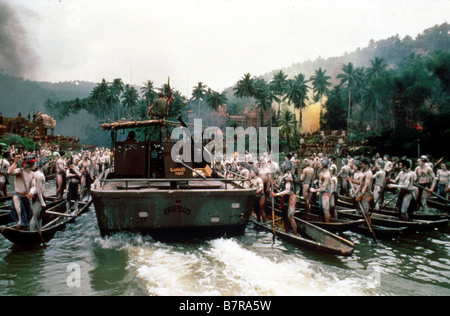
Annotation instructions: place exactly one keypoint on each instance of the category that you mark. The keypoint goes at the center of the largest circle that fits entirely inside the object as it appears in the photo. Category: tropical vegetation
(397, 87)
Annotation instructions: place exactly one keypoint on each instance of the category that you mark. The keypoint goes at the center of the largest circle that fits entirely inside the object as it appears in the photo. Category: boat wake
(226, 267)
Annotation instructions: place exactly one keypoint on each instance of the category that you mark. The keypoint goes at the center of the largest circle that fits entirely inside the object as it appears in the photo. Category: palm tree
(348, 78)
(264, 95)
(99, 97)
(198, 93)
(130, 98)
(115, 90)
(288, 126)
(296, 93)
(279, 85)
(374, 73)
(320, 83)
(148, 93)
(216, 99)
(245, 88)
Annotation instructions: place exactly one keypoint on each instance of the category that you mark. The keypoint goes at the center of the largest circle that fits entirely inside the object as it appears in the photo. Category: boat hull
(47, 232)
(311, 236)
(167, 214)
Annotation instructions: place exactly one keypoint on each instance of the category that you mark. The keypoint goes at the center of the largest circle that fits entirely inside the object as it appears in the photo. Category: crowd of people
(366, 179)
(74, 172)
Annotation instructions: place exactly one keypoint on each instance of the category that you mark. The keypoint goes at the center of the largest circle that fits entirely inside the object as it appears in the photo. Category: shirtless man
(356, 180)
(264, 174)
(405, 184)
(334, 193)
(37, 189)
(23, 176)
(84, 166)
(243, 171)
(426, 181)
(287, 186)
(324, 189)
(61, 174)
(443, 179)
(74, 178)
(343, 174)
(4, 166)
(306, 178)
(260, 200)
(379, 182)
(364, 191)
(387, 164)
(295, 162)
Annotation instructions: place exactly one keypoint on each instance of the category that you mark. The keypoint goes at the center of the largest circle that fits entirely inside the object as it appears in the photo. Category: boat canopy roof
(133, 124)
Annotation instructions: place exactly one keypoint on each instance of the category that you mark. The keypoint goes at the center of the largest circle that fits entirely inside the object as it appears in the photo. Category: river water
(80, 262)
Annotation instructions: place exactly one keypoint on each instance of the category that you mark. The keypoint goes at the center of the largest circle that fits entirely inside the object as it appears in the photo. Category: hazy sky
(215, 42)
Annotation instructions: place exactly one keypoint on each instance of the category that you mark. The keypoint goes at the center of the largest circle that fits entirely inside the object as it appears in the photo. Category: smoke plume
(17, 58)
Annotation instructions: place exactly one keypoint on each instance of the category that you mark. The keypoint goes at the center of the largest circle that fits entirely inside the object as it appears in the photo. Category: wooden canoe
(334, 226)
(393, 211)
(311, 236)
(393, 221)
(381, 231)
(51, 223)
(5, 210)
(438, 204)
(5, 198)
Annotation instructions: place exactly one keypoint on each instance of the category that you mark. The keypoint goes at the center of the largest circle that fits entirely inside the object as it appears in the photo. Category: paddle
(273, 211)
(389, 202)
(311, 186)
(432, 192)
(364, 214)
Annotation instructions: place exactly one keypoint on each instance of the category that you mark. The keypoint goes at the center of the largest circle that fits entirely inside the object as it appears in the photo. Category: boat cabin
(142, 149)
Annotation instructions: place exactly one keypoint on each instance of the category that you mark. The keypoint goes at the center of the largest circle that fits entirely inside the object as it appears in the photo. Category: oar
(432, 192)
(310, 186)
(60, 214)
(364, 215)
(389, 202)
(273, 211)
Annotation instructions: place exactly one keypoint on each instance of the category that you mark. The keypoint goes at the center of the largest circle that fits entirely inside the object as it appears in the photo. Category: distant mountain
(20, 95)
(28, 97)
(393, 50)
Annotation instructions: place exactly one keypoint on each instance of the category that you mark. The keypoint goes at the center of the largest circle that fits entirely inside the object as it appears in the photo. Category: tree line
(408, 101)
(401, 93)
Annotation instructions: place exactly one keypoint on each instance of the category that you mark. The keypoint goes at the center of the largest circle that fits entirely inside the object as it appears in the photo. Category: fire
(310, 117)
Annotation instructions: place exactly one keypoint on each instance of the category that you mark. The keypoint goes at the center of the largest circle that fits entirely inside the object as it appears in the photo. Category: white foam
(224, 267)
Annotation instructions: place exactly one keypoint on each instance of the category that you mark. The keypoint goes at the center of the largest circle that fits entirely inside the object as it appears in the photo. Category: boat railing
(175, 181)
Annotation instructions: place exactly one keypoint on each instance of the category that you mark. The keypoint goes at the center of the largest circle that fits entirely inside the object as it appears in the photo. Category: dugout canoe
(55, 218)
(393, 221)
(335, 225)
(393, 211)
(310, 236)
(381, 231)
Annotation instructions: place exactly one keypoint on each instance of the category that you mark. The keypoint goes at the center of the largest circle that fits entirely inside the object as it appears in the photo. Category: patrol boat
(147, 192)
